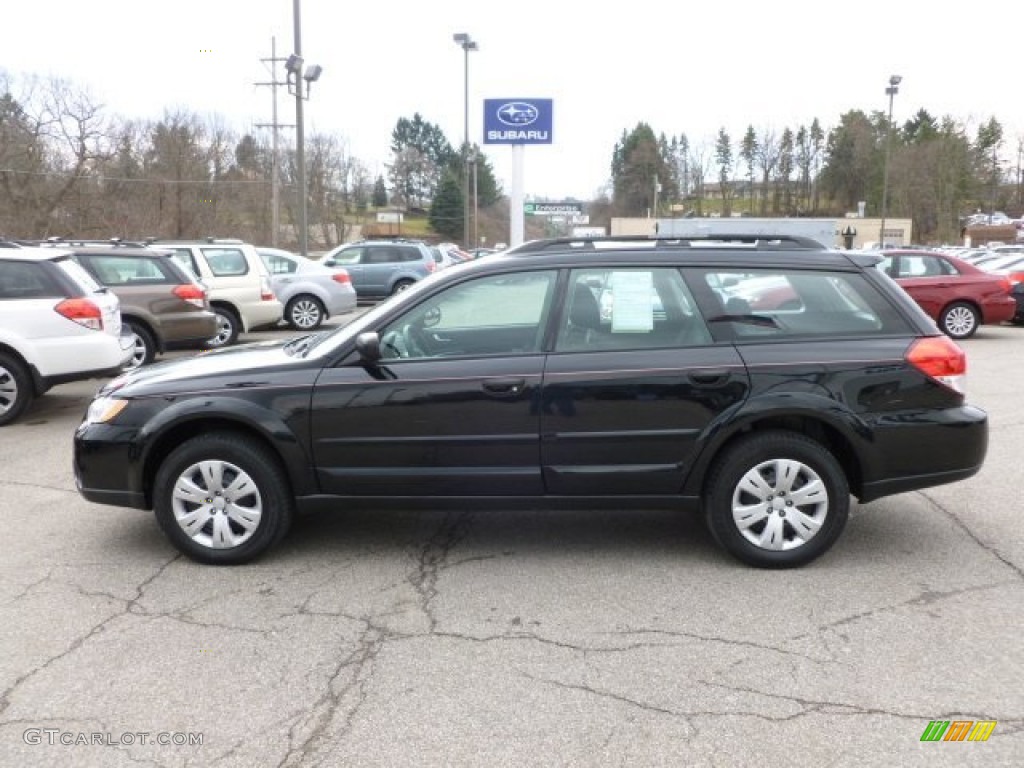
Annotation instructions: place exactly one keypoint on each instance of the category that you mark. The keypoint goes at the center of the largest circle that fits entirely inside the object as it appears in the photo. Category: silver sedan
(309, 291)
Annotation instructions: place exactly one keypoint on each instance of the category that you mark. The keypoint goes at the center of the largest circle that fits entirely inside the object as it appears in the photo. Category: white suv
(56, 325)
(237, 280)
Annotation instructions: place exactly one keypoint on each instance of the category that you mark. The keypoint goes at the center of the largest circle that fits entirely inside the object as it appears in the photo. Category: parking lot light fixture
(891, 91)
(467, 44)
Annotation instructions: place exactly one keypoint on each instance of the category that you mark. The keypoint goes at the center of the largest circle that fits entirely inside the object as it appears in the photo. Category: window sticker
(633, 302)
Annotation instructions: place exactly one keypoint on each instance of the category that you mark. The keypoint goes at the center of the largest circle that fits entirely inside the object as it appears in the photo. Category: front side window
(494, 315)
(629, 308)
(348, 256)
(184, 258)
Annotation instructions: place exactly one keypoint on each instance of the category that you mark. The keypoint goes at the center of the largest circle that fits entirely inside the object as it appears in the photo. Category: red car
(957, 295)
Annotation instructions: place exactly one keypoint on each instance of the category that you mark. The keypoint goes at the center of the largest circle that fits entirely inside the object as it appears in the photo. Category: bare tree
(767, 157)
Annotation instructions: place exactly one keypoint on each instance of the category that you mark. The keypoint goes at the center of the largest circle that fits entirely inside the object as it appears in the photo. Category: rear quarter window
(26, 280)
(226, 262)
(760, 304)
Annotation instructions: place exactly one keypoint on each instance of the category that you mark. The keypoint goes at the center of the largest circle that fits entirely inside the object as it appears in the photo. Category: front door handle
(504, 387)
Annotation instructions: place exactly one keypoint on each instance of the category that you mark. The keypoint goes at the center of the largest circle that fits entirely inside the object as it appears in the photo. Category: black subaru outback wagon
(761, 382)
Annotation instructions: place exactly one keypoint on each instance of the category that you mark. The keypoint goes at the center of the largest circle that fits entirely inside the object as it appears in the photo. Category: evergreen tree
(447, 212)
(380, 193)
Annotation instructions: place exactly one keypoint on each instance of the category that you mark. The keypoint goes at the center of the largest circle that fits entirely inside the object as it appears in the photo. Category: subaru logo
(517, 113)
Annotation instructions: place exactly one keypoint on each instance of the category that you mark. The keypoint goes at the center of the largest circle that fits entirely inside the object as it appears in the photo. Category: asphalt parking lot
(498, 638)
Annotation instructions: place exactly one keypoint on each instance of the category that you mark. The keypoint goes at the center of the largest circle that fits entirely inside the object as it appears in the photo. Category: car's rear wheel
(776, 500)
(305, 313)
(15, 389)
(228, 327)
(402, 285)
(959, 320)
(144, 351)
(222, 499)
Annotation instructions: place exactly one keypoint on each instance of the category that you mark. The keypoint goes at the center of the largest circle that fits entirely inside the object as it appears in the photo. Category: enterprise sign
(517, 121)
(553, 209)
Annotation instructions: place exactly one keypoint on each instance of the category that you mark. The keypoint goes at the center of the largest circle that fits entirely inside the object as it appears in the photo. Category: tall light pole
(297, 73)
(891, 91)
(467, 44)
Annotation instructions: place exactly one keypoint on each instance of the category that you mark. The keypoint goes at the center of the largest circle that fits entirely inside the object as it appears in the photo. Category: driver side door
(450, 409)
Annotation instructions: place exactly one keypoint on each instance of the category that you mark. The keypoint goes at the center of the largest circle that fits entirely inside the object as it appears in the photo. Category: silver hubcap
(138, 353)
(780, 504)
(8, 390)
(306, 313)
(960, 321)
(216, 504)
(224, 327)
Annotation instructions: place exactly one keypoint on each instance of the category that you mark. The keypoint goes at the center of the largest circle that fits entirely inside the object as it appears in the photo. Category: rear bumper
(914, 451)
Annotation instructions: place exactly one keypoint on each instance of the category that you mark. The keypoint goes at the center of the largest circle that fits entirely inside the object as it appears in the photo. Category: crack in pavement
(433, 557)
(5, 696)
(925, 597)
(971, 535)
(807, 706)
(40, 486)
(717, 639)
(370, 643)
(29, 587)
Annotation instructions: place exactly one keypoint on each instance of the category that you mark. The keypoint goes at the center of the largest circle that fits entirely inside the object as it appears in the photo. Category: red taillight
(341, 276)
(82, 311)
(266, 292)
(940, 358)
(1015, 278)
(193, 294)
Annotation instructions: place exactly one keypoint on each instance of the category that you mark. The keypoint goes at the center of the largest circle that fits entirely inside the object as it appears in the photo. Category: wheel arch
(839, 437)
(148, 325)
(231, 307)
(248, 422)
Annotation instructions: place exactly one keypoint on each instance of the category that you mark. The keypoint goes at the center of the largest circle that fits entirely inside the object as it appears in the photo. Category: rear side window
(127, 270)
(26, 280)
(278, 265)
(786, 303)
(629, 308)
(226, 262)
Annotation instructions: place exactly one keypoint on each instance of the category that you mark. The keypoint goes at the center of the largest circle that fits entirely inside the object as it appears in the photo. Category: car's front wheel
(222, 499)
(959, 320)
(776, 500)
(228, 328)
(305, 313)
(15, 389)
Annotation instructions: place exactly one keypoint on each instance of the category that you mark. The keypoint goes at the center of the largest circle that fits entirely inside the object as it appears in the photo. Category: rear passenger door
(633, 382)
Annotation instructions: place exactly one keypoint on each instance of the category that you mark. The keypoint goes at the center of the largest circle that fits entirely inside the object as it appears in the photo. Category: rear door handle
(709, 377)
(504, 387)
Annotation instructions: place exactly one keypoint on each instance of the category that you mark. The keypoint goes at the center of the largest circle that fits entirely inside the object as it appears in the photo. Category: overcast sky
(679, 66)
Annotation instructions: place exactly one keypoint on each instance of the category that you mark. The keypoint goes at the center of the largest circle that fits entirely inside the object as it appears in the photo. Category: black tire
(228, 328)
(816, 518)
(16, 391)
(960, 320)
(402, 285)
(263, 498)
(305, 313)
(145, 345)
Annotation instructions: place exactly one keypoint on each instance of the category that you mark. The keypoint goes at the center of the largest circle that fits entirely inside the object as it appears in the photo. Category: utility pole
(275, 173)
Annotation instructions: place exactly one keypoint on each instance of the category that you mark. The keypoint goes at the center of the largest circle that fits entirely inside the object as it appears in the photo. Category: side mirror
(330, 263)
(368, 347)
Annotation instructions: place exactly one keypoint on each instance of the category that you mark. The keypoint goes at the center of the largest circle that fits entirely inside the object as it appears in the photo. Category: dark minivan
(761, 382)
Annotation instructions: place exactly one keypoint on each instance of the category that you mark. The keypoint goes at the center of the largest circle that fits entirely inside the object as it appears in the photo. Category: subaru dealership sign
(517, 121)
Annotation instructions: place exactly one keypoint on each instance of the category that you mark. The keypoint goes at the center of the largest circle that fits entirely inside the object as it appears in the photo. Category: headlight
(104, 409)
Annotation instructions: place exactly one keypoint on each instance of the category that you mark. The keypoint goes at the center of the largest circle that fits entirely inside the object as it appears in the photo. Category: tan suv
(237, 280)
(162, 305)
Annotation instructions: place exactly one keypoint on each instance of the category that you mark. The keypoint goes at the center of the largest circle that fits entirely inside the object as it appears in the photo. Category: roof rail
(756, 241)
(114, 242)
